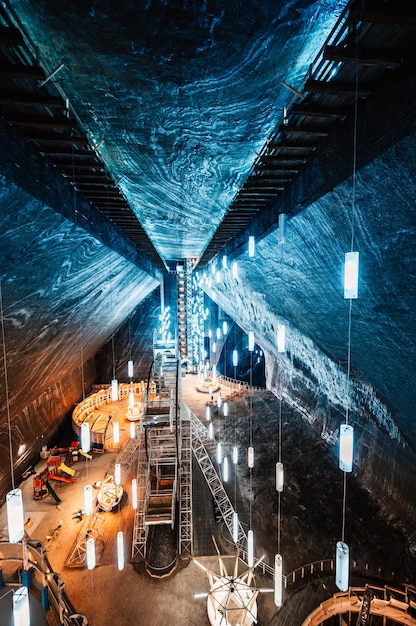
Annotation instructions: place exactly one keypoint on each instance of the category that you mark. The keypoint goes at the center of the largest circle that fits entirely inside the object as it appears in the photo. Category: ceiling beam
(369, 58)
(41, 121)
(337, 88)
(314, 110)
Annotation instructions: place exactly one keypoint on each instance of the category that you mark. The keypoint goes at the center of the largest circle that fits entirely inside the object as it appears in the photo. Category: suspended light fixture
(21, 608)
(134, 493)
(117, 473)
(251, 341)
(90, 553)
(235, 455)
(279, 477)
(85, 437)
(278, 580)
(250, 457)
(219, 400)
(224, 261)
(250, 548)
(218, 276)
(130, 369)
(208, 413)
(15, 517)
(281, 338)
(131, 399)
(224, 327)
(211, 431)
(234, 269)
(219, 453)
(116, 432)
(251, 246)
(218, 333)
(235, 358)
(346, 447)
(114, 390)
(225, 475)
(342, 566)
(132, 430)
(225, 409)
(88, 499)
(120, 550)
(214, 347)
(210, 333)
(282, 227)
(235, 527)
(351, 267)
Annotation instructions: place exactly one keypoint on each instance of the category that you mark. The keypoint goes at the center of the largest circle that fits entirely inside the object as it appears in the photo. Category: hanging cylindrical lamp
(250, 340)
(234, 269)
(279, 477)
(235, 527)
(235, 455)
(116, 432)
(85, 437)
(219, 453)
(120, 550)
(15, 516)
(88, 499)
(208, 413)
(281, 338)
(132, 430)
(225, 475)
(351, 267)
(250, 457)
(218, 333)
(219, 400)
(346, 447)
(235, 358)
(278, 580)
(218, 276)
(225, 409)
(114, 390)
(250, 548)
(224, 261)
(117, 473)
(251, 246)
(282, 227)
(130, 369)
(134, 493)
(224, 327)
(21, 608)
(342, 566)
(90, 553)
(211, 431)
(131, 399)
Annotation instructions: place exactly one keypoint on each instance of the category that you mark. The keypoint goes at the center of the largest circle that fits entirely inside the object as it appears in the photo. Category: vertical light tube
(346, 447)
(282, 227)
(218, 276)
(85, 437)
(114, 390)
(342, 566)
(278, 580)
(132, 430)
(224, 327)
(15, 517)
(117, 474)
(251, 246)
(225, 409)
(281, 338)
(211, 431)
(21, 609)
(235, 527)
(219, 400)
(130, 370)
(351, 267)
(218, 333)
(131, 399)
(280, 477)
(224, 261)
(134, 493)
(116, 432)
(225, 475)
(235, 358)
(251, 341)
(250, 457)
(250, 548)
(120, 550)
(219, 453)
(208, 413)
(234, 269)
(88, 499)
(235, 455)
(90, 553)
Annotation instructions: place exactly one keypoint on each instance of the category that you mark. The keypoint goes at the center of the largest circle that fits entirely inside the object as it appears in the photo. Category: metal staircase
(202, 447)
(185, 485)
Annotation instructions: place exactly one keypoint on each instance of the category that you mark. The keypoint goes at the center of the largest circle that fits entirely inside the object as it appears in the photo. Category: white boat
(109, 494)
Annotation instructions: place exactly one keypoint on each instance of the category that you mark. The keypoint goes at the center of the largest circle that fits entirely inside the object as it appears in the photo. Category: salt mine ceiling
(187, 123)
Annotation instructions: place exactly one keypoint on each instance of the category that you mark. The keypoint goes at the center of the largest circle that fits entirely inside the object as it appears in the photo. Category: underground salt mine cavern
(207, 296)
